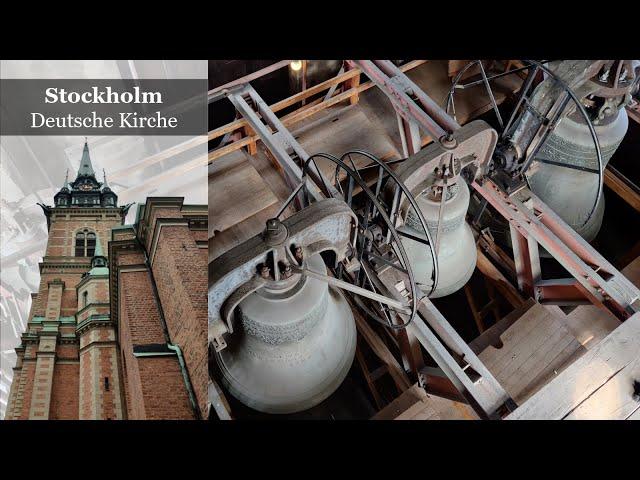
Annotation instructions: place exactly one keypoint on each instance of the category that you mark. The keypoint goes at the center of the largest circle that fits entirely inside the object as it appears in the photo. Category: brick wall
(65, 391)
(164, 394)
(154, 387)
(180, 270)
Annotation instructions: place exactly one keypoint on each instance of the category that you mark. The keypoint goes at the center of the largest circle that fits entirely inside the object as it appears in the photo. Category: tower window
(106, 384)
(85, 244)
(85, 297)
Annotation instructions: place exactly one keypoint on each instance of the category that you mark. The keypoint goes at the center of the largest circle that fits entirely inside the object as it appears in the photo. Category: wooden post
(252, 147)
(367, 376)
(355, 83)
(474, 308)
(304, 80)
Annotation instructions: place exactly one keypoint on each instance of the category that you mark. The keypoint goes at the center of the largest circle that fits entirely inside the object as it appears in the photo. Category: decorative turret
(63, 197)
(86, 191)
(98, 261)
(109, 199)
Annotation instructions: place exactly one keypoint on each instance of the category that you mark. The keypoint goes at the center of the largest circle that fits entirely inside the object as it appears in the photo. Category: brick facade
(122, 337)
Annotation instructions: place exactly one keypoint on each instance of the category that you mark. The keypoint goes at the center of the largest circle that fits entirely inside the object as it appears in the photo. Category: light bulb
(296, 65)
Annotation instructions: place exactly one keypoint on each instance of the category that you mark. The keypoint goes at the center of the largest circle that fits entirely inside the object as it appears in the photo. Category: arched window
(85, 243)
(85, 297)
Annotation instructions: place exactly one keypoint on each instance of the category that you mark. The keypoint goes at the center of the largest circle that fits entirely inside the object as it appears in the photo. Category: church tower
(68, 365)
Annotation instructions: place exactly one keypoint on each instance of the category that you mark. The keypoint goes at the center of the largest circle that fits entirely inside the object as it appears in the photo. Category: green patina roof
(98, 270)
(61, 319)
(86, 169)
(98, 251)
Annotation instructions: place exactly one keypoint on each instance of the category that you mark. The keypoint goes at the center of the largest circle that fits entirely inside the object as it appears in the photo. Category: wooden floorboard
(416, 404)
(530, 351)
(598, 385)
(238, 192)
(590, 324)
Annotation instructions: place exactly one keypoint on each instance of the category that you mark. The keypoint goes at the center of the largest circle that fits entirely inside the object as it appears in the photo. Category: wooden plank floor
(590, 324)
(416, 404)
(239, 192)
(599, 385)
(525, 353)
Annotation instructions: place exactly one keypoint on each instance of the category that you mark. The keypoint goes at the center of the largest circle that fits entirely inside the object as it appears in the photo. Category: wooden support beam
(489, 270)
(623, 187)
(378, 347)
(474, 309)
(368, 378)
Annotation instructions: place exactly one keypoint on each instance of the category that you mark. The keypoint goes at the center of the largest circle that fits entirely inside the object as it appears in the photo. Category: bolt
(287, 271)
(447, 141)
(272, 224)
(265, 271)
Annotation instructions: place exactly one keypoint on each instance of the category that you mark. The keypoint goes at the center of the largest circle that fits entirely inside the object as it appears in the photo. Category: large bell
(294, 344)
(457, 251)
(571, 193)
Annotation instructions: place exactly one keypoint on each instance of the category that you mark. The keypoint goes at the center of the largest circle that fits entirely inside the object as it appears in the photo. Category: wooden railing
(350, 79)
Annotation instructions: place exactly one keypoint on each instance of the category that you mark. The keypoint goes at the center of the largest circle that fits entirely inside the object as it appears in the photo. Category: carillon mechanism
(373, 242)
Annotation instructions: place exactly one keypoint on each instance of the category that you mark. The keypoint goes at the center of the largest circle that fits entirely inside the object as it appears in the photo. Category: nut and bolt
(287, 271)
(265, 271)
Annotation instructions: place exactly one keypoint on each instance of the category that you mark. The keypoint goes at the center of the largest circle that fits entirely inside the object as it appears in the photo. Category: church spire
(105, 185)
(65, 186)
(86, 169)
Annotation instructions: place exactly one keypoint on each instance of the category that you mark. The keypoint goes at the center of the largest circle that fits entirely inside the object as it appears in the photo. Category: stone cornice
(89, 278)
(94, 321)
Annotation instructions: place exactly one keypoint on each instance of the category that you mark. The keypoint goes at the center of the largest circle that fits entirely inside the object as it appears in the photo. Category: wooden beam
(599, 385)
(368, 378)
(308, 109)
(489, 270)
(623, 187)
(378, 347)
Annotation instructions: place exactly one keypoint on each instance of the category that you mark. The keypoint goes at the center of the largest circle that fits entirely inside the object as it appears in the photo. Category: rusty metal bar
(428, 104)
(596, 277)
(427, 114)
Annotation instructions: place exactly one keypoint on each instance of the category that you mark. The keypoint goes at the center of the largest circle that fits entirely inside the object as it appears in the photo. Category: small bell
(456, 252)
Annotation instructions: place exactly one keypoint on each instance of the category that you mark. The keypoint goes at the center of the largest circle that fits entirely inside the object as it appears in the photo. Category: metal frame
(532, 223)
(594, 279)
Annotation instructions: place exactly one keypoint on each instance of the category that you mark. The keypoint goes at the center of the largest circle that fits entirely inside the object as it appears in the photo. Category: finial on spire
(86, 169)
(66, 180)
(105, 185)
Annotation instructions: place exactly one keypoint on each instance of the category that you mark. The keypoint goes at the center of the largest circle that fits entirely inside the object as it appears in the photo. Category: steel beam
(273, 134)
(600, 282)
(407, 98)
